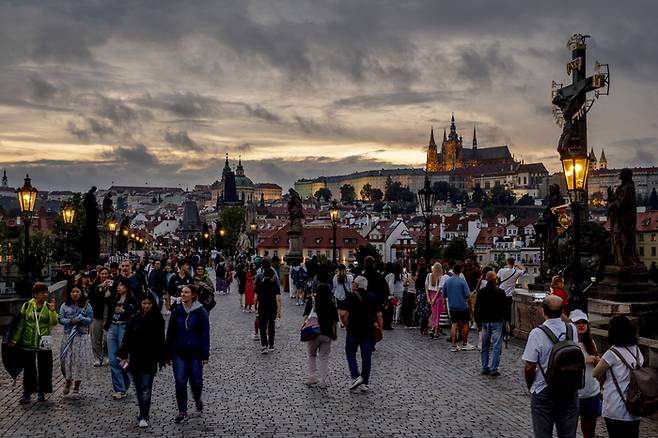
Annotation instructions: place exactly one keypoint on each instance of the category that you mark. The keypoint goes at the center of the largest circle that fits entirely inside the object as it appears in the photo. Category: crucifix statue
(571, 101)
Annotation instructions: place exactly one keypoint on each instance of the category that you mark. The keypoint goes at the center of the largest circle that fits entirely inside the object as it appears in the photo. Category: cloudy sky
(134, 92)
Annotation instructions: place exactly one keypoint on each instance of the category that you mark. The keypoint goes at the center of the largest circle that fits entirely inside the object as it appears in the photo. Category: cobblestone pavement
(418, 388)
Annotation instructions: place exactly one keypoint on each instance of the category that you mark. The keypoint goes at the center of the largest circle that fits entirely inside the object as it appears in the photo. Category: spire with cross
(571, 102)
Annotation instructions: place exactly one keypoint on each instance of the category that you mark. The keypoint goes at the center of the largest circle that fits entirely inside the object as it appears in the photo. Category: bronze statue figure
(295, 210)
(622, 213)
(108, 209)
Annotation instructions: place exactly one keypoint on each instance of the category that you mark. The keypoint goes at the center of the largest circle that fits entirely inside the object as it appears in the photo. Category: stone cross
(571, 101)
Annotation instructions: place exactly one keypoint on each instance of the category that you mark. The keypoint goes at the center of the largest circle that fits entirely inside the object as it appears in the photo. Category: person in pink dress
(434, 298)
(249, 289)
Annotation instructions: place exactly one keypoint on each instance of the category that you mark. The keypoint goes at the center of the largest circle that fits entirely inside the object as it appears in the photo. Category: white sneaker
(255, 337)
(467, 347)
(311, 381)
(364, 388)
(356, 383)
(143, 424)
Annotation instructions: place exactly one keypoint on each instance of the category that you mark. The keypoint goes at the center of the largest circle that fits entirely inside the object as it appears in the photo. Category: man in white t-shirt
(507, 277)
(546, 410)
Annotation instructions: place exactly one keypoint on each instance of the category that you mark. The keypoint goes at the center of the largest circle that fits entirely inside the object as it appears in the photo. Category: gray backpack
(566, 364)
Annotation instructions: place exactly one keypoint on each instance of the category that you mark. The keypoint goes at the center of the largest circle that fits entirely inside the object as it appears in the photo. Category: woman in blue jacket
(188, 345)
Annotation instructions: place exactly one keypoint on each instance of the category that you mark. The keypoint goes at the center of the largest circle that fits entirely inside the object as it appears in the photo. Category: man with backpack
(554, 371)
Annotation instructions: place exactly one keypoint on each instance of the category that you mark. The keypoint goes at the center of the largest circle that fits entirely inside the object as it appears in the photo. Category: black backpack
(566, 364)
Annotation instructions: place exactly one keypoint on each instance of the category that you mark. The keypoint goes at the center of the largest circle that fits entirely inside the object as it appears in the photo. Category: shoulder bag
(311, 327)
(45, 341)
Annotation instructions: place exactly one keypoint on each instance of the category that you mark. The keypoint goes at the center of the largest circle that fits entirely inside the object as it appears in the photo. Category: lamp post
(68, 216)
(112, 228)
(253, 226)
(427, 196)
(576, 169)
(27, 198)
(334, 214)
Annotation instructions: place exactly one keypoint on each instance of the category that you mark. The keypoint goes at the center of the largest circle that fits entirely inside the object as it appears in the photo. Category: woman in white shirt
(590, 396)
(342, 286)
(622, 337)
(434, 298)
(396, 280)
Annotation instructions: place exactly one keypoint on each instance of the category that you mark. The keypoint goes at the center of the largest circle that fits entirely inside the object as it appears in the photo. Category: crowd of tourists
(115, 315)
(138, 319)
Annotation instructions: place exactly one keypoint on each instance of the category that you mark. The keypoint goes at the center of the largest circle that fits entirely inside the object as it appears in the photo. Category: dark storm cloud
(186, 105)
(395, 99)
(183, 141)
(259, 112)
(137, 155)
(40, 88)
(92, 128)
(481, 65)
(632, 152)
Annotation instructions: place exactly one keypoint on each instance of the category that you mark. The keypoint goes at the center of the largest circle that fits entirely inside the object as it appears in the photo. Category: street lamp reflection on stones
(427, 197)
(27, 198)
(334, 214)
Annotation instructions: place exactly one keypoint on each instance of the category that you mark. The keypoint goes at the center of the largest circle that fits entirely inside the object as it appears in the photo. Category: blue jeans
(492, 334)
(187, 369)
(120, 378)
(561, 412)
(352, 343)
(143, 389)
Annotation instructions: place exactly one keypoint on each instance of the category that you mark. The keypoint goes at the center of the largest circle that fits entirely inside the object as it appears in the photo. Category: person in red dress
(557, 288)
(249, 290)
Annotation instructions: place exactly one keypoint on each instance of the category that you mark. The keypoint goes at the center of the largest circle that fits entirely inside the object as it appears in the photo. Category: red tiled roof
(487, 234)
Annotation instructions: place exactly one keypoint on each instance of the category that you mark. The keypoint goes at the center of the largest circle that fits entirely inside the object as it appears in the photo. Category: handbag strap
(614, 380)
(36, 319)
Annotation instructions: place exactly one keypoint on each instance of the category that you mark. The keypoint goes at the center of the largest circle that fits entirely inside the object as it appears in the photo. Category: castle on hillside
(454, 156)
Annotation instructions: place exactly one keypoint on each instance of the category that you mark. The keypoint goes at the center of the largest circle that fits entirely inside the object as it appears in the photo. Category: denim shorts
(590, 407)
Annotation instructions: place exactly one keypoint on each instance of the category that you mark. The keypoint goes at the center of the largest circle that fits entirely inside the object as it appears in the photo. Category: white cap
(578, 315)
(361, 282)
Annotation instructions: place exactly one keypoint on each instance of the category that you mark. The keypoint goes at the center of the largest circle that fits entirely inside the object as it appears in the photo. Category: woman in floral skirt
(76, 315)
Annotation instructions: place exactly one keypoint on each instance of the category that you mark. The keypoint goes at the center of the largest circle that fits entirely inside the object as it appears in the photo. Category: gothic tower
(592, 160)
(432, 164)
(451, 149)
(603, 161)
(4, 178)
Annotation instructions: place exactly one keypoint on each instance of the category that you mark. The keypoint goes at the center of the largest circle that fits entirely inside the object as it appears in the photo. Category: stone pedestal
(527, 311)
(625, 285)
(645, 314)
(295, 253)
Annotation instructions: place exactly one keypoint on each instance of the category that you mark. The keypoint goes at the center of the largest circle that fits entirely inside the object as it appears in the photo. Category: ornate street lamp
(68, 216)
(427, 197)
(68, 213)
(576, 169)
(334, 214)
(253, 227)
(27, 198)
(112, 226)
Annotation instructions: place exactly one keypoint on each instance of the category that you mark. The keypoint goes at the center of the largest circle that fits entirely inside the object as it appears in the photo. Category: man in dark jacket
(361, 315)
(377, 284)
(157, 281)
(268, 306)
(490, 312)
(180, 279)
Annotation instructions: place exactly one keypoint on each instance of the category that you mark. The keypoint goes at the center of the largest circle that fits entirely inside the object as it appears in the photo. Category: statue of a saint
(108, 209)
(622, 212)
(296, 211)
(243, 244)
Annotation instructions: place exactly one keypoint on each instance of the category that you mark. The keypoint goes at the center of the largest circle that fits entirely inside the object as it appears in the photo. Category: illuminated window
(653, 237)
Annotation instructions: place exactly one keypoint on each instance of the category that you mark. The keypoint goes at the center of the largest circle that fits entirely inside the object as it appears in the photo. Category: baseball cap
(578, 315)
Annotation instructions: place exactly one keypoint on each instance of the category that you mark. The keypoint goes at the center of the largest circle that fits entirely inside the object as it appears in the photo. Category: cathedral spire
(226, 166)
(603, 161)
(239, 171)
(445, 137)
(475, 138)
(432, 143)
(453, 128)
(4, 178)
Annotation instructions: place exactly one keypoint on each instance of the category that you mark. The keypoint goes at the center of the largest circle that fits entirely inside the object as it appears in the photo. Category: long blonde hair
(437, 273)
